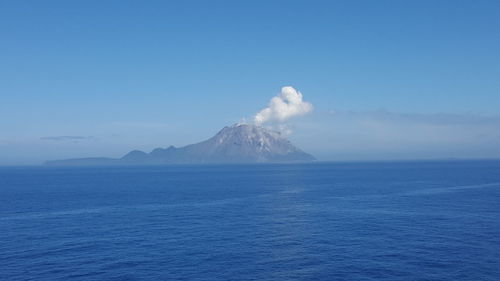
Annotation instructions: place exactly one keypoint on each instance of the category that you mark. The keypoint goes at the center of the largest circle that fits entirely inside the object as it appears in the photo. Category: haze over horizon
(412, 80)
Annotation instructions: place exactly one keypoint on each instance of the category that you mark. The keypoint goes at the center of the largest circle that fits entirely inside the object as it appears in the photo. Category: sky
(385, 79)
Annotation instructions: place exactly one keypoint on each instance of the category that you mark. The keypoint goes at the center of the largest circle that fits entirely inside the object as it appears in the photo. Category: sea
(408, 220)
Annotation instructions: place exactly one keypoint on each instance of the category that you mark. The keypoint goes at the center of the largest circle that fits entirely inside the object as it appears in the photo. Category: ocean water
(322, 221)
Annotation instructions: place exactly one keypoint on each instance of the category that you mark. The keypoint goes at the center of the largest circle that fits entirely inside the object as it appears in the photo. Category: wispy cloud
(67, 138)
(384, 134)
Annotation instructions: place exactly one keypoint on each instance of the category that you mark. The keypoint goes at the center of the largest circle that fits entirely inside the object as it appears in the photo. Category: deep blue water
(325, 221)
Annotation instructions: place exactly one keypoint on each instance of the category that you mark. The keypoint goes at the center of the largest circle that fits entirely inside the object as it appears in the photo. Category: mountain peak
(250, 130)
(252, 143)
(239, 143)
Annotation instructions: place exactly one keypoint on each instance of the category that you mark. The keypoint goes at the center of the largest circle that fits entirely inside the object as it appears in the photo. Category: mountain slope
(240, 143)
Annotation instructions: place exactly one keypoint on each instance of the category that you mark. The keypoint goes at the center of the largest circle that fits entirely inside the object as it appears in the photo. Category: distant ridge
(240, 143)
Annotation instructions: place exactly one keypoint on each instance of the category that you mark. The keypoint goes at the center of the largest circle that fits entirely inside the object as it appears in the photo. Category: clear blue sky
(141, 74)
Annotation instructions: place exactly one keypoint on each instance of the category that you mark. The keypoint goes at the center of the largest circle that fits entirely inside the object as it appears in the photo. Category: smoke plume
(287, 104)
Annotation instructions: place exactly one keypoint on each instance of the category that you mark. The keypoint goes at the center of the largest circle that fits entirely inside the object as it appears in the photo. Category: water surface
(322, 221)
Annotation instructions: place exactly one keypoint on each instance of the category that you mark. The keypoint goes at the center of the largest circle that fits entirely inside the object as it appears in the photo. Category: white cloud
(287, 104)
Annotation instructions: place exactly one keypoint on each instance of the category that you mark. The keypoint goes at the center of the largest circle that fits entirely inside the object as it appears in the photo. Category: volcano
(240, 143)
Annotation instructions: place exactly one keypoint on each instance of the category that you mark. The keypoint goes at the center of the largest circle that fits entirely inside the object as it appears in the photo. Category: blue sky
(120, 75)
